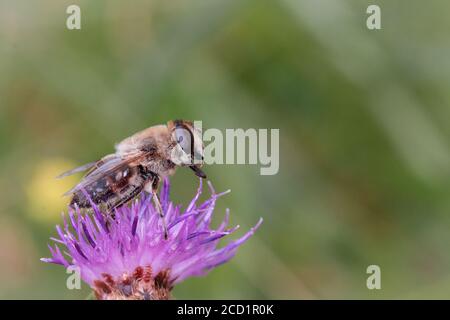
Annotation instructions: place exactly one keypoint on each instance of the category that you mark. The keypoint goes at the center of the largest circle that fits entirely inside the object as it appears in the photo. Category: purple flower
(127, 257)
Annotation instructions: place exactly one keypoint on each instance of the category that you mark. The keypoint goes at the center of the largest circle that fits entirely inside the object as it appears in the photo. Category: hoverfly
(138, 164)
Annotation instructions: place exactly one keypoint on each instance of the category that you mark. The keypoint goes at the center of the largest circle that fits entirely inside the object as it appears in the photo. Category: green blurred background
(364, 123)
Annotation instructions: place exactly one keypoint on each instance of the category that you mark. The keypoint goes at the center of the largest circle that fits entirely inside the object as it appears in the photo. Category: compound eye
(184, 139)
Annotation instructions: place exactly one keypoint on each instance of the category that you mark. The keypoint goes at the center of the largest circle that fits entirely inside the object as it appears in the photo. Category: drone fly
(139, 163)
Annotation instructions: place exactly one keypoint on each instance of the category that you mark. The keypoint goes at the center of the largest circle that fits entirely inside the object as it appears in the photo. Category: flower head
(127, 257)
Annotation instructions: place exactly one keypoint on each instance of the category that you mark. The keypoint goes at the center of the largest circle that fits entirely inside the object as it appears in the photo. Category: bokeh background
(364, 123)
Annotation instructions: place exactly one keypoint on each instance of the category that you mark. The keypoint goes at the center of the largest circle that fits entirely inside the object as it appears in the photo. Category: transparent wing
(103, 168)
(82, 168)
(91, 166)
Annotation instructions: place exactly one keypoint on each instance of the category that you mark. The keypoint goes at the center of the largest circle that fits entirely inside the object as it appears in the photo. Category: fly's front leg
(153, 188)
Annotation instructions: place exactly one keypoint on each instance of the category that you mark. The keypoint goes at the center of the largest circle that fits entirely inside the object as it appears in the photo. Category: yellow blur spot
(45, 192)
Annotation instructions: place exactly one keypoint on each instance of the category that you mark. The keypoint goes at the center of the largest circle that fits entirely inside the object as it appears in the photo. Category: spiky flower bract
(125, 256)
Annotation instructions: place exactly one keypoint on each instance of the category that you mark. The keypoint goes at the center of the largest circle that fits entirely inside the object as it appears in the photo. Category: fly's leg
(152, 187)
(155, 197)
